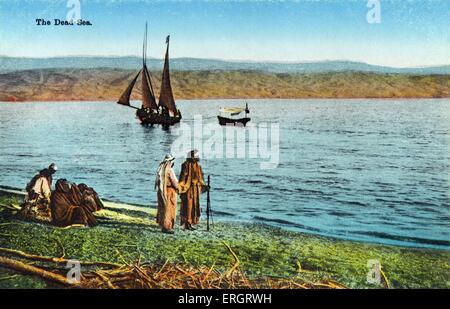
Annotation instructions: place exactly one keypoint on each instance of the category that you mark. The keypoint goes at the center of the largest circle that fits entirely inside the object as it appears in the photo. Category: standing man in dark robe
(191, 185)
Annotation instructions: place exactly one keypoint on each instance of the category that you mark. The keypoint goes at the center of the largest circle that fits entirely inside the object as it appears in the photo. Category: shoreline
(151, 210)
(179, 100)
(263, 251)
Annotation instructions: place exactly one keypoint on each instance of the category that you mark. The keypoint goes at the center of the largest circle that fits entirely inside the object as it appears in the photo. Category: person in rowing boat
(191, 185)
(37, 202)
(166, 184)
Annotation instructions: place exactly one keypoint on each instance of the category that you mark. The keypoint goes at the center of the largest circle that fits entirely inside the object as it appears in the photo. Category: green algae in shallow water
(263, 251)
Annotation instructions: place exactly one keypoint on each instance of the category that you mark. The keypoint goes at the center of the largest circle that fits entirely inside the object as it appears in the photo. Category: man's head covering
(193, 154)
(53, 167)
(168, 157)
(63, 185)
(161, 179)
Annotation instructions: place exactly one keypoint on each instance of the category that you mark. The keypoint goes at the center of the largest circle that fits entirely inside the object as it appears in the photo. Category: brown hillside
(108, 84)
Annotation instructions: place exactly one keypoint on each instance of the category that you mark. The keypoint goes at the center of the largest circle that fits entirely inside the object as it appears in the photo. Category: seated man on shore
(37, 202)
(90, 198)
(74, 205)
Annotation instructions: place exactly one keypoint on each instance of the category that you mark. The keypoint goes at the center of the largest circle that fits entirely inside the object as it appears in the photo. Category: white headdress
(160, 182)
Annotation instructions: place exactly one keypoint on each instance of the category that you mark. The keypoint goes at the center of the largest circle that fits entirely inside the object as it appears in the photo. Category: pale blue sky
(411, 33)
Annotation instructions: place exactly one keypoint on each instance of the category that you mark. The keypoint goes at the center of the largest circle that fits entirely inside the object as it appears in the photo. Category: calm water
(370, 170)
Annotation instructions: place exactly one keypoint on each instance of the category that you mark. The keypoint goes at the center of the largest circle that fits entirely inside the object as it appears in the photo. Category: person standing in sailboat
(167, 186)
(191, 185)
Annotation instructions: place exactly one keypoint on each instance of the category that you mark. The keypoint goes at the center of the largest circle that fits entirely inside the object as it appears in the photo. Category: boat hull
(241, 122)
(148, 118)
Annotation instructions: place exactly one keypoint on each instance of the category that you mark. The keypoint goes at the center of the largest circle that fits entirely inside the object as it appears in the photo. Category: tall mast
(144, 47)
(148, 95)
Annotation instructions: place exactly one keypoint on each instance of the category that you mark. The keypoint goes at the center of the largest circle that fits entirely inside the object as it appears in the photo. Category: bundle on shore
(137, 275)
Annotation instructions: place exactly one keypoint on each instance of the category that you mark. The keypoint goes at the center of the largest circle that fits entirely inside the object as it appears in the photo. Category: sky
(411, 33)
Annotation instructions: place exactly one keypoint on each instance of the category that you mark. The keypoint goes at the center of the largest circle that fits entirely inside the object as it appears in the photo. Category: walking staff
(208, 208)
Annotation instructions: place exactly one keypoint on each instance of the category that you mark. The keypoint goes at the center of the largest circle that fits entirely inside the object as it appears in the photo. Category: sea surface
(366, 170)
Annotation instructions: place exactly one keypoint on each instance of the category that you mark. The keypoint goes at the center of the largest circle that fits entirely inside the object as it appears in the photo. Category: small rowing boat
(233, 116)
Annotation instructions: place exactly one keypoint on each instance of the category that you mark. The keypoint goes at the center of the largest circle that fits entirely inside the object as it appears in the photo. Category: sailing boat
(164, 112)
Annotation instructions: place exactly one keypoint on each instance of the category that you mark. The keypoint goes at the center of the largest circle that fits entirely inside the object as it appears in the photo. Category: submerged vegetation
(261, 256)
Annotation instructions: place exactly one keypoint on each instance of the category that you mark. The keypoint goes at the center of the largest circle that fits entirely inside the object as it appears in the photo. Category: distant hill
(11, 64)
(107, 84)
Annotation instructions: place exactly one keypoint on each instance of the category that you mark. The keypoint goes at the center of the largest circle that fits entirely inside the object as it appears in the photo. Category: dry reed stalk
(175, 276)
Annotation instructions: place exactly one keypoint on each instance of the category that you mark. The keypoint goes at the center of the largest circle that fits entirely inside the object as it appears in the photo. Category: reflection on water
(371, 170)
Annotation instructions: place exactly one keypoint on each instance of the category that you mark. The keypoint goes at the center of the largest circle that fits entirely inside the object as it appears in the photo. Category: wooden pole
(208, 206)
(52, 259)
(36, 271)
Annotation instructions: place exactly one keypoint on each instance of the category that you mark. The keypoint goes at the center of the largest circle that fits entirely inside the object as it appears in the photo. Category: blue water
(368, 170)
